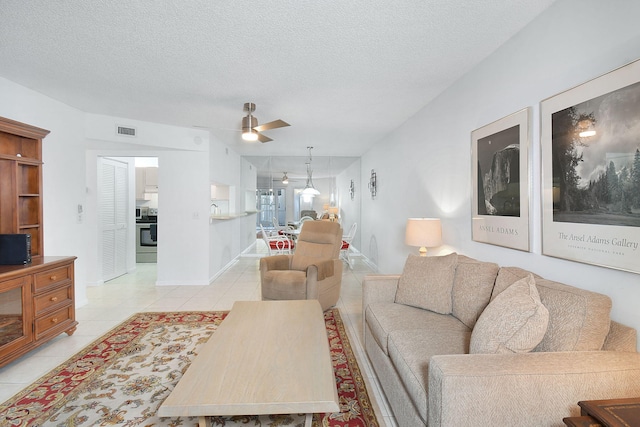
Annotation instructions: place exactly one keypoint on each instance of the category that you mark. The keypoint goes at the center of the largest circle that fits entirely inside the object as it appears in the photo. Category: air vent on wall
(126, 131)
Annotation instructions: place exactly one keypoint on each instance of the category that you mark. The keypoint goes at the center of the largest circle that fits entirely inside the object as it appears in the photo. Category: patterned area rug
(122, 378)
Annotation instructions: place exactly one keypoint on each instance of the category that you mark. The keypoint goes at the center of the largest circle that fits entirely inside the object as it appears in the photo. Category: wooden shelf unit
(37, 300)
(21, 181)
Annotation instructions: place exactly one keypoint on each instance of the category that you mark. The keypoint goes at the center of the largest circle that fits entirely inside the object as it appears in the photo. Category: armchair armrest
(525, 388)
(325, 288)
(275, 262)
(321, 269)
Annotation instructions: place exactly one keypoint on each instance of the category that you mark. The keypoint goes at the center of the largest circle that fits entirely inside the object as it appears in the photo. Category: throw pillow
(514, 322)
(426, 282)
(472, 289)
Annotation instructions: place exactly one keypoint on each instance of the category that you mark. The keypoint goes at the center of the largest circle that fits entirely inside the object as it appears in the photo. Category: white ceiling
(342, 73)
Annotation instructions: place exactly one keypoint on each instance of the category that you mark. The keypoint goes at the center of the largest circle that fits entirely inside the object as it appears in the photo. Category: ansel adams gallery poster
(591, 172)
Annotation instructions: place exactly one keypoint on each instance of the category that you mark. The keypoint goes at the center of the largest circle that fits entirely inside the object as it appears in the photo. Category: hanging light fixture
(248, 123)
(309, 189)
(285, 179)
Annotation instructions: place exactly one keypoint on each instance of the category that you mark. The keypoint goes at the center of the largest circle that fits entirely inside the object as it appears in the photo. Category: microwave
(142, 212)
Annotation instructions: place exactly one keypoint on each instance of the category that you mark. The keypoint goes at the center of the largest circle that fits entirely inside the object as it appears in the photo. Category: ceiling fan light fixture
(285, 179)
(248, 123)
(249, 135)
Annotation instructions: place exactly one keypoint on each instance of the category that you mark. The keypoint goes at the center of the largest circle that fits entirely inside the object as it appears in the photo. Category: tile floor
(119, 298)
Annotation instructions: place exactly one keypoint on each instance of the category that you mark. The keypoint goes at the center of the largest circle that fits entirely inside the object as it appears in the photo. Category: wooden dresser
(36, 304)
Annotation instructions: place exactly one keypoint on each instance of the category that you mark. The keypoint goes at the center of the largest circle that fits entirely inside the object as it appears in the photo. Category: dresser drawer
(51, 277)
(59, 297)
(50, 321)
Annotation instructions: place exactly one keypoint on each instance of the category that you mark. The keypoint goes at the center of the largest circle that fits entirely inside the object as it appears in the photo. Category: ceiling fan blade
(263, 138)
(271, 125)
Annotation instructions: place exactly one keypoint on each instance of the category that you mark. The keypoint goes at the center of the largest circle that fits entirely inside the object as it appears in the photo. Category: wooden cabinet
(36, 299)
(36, 304)
(21, 181)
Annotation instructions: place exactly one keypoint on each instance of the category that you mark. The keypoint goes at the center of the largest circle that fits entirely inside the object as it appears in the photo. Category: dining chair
(277, 244)
(280, 228)
(345, 250)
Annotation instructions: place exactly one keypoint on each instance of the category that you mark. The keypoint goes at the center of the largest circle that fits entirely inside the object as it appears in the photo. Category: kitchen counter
(231, 216)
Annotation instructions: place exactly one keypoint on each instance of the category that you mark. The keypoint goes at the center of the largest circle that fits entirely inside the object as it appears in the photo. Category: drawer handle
(54, 320)
(54, 277)
(53, 299)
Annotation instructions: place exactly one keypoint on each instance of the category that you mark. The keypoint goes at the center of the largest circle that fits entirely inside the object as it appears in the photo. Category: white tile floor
(113, 302)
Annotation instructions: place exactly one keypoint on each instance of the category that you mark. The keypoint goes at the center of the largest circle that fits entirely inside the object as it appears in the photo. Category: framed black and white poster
(501, 182)
(590, 137)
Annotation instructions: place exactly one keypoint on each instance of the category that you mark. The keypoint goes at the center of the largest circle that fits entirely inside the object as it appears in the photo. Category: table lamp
(423, 232)
(333, 213)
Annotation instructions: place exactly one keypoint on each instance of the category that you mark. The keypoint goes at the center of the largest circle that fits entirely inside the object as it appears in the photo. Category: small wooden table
(607, 413)
(266, 357)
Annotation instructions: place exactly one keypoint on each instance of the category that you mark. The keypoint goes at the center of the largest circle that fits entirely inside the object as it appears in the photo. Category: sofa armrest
(378, 288)
(525, 388)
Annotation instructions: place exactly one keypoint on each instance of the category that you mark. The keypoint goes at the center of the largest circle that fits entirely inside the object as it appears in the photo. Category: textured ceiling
(342, 73)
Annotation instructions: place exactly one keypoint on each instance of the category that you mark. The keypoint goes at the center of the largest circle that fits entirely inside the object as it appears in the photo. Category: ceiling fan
(250, 128)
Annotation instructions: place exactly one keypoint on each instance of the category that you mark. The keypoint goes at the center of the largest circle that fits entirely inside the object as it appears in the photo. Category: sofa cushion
(507, 276)
(411, 350)
(426, 282)
(579, 320)
(472, 288)
(514, 322)
(386, 317)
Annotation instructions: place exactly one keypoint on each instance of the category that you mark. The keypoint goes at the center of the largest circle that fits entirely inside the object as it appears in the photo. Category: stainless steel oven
(146, 242)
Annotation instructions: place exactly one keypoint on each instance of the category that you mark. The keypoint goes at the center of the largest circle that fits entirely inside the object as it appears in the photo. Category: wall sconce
(352, 189)
(373, 184)
(423, 232)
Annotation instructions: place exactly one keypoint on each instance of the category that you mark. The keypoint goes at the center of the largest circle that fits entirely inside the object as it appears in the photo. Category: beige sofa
(422, 357)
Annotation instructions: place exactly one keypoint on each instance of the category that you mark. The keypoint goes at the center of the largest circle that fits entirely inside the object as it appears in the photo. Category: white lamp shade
(423, 232)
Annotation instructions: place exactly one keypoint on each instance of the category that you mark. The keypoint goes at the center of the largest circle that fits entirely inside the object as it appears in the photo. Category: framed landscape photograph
(590, 137)
(501, 182)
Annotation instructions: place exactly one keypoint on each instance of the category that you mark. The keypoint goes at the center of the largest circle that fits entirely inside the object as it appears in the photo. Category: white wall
(183, 197)
(424, 166)
(228, 238)
(350, 209)
(70, 154)
(63, 171)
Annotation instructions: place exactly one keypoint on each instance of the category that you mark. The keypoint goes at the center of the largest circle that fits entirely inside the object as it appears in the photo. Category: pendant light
(309, 189)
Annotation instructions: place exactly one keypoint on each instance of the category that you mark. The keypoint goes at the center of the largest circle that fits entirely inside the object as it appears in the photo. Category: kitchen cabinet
(36, 304)
(146, 182)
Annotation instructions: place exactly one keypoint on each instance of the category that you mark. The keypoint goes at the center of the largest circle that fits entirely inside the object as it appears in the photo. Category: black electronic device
(15, 249)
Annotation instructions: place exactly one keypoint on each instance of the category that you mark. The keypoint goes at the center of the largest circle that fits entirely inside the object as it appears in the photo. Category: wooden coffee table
(266, 357)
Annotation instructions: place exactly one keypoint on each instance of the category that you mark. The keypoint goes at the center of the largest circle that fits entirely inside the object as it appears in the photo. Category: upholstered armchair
(314, 271)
